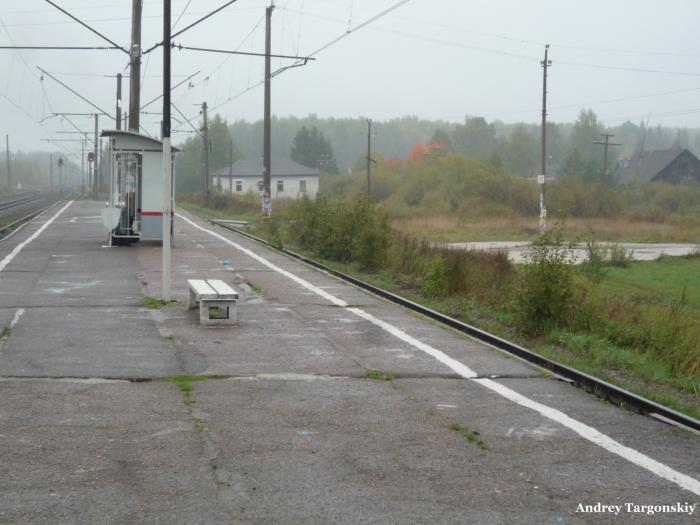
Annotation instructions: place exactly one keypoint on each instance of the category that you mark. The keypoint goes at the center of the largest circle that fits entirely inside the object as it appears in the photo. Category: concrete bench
(216, 299)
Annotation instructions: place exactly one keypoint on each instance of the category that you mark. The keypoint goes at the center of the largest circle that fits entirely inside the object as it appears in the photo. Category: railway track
(8, 206)
(602, 389)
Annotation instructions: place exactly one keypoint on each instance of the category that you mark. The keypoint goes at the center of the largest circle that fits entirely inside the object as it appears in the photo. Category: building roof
(138, 137)
(254, 168)
(646, 165)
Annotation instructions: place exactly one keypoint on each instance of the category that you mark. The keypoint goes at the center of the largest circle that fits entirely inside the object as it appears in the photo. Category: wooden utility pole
(267, 135)
(541, 179)
(369, 156)
(119, 101)
(230, 171)
(205, 138)
(7, 157)
(606, 143)
(135, 66)
(82, 165)
(94, 163)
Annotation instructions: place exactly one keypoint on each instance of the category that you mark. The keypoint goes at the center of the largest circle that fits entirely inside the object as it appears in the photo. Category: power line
(181, 14)
(171, 89)
(632, 69)
(86, 26)
(192, 24)
(225, 51)
(319, 50)
(63, 48)
(360, 26)
(75, 92)
(243, 41)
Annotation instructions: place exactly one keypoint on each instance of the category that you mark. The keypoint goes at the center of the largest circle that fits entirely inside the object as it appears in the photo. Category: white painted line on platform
(585, 431)
(15, 319)
(8, 258)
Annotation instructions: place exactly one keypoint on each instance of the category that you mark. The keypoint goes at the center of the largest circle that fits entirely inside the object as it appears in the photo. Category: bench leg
(225, 307)
(192, 300)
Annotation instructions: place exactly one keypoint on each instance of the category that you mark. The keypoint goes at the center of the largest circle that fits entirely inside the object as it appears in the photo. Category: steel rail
(591, 384)
(21, 201)
(19, 222)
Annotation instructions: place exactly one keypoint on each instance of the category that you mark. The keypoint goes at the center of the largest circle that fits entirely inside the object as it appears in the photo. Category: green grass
(185, 384)
(376, 375)
(155, 304)
(669, 279)
(220, 214)
(630, 369)
(7, 332)
(470, 436)
(254, 287)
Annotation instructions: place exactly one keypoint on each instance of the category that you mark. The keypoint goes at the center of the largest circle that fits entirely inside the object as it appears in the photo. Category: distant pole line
(606, 143)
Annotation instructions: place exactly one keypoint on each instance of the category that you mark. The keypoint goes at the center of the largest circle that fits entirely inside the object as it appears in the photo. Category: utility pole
(230, 170)
(51, 171)
(82, 166)
(94, 169)
(119, 101)
(543, 174)
(167, 155)
(369, 156)
(7, 156)
(205, 138)
(267, 135)
(606, 143)
(135, 66)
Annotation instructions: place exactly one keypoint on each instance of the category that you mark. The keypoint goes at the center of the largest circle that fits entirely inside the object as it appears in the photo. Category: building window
(280, 186)
(239, 185)
(302, 186)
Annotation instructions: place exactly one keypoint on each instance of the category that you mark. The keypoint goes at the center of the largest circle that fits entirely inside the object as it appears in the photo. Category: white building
(288, 178)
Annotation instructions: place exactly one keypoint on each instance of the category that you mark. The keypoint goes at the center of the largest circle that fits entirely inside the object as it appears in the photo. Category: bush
(619, 255)
(435, 280)
(546, 294)
(341, 231)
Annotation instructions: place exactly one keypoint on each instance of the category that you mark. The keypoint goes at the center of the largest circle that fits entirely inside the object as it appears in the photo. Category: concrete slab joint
(216, 299)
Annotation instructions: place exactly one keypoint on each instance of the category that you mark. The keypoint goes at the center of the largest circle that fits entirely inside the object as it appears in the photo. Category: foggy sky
(436, 59)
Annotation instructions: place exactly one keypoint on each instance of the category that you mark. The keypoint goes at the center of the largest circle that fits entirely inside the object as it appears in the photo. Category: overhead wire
(367, 22)
(193, 24)
(181, 15)
(103, 37)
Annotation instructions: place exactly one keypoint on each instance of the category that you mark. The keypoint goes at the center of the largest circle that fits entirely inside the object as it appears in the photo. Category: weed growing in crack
(155, 304)
(376, 375)
(470, 436)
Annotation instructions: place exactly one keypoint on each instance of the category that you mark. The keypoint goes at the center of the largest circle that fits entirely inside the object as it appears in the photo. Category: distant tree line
(339, 144)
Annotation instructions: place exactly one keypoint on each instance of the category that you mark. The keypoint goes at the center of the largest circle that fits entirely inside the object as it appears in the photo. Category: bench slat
(202, 289)
(222, 289)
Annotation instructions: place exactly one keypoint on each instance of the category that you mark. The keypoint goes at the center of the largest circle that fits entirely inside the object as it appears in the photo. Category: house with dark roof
(663, 165)
(287, 178)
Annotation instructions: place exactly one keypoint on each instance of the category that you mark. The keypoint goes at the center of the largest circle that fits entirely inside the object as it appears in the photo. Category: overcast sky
(436, 59)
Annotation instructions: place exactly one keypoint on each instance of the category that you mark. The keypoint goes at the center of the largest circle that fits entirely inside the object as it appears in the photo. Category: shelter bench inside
(217, 301)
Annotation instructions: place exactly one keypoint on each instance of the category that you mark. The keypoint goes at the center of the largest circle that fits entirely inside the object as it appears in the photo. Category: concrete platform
(282, 423)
